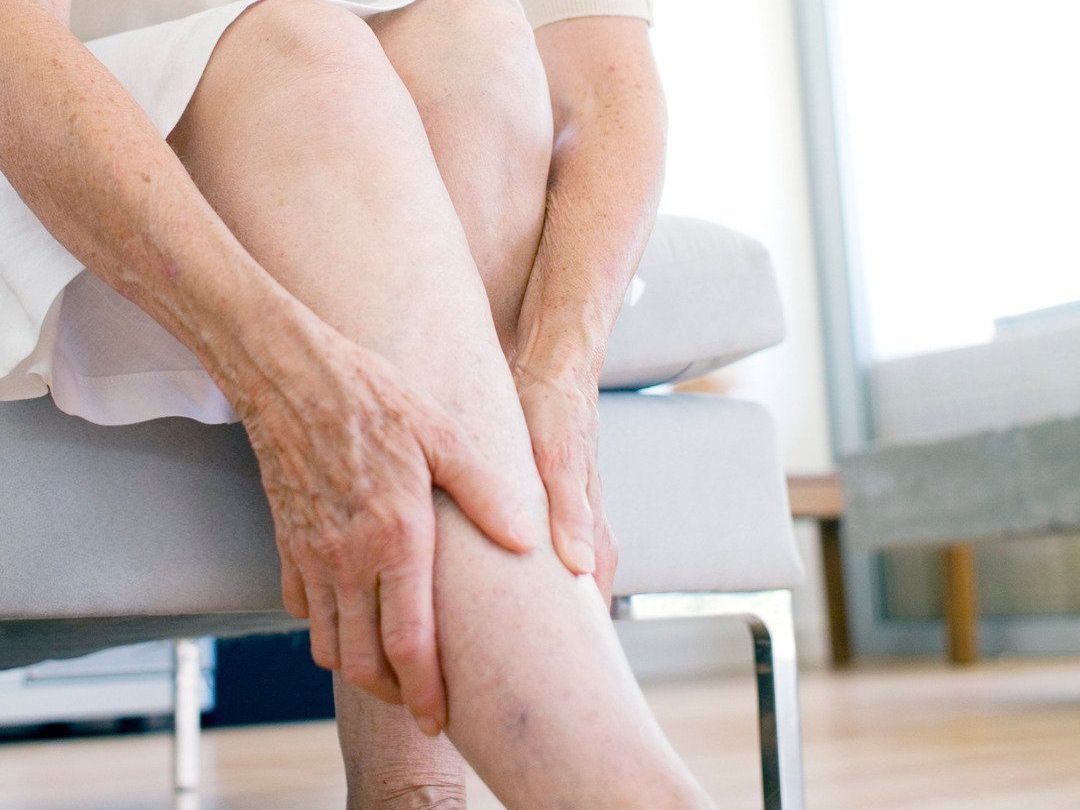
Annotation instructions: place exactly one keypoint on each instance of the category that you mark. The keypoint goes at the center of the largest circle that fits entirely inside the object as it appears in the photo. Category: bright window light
(962, 128)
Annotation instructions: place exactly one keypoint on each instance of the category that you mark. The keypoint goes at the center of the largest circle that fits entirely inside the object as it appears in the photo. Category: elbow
(630, 114)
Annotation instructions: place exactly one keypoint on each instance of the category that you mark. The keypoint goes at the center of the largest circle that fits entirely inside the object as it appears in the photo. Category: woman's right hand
(349, 452)
(347, 449)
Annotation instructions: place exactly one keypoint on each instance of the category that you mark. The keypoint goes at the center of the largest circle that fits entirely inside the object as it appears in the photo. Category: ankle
(432, 794)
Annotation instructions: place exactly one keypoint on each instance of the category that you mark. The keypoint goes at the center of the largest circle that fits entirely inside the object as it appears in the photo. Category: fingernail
(429, 726)
(582, 555)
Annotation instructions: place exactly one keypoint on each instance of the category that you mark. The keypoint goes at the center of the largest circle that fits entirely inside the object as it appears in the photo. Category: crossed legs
(306, 140)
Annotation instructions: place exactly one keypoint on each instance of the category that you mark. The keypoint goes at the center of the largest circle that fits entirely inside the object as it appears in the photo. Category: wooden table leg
(961, 603)
(833, 567)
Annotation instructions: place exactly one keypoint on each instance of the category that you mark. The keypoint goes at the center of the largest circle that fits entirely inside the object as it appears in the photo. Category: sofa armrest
(709, 298)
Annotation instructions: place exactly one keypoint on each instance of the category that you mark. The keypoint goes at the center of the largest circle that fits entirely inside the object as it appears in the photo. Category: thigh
(476, 77)
(305, 140)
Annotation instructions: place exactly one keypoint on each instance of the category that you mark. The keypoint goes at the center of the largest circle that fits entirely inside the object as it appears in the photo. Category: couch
(160, 530)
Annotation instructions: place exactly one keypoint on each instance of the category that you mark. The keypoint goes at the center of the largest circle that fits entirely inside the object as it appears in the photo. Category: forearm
(607, 171)
(88, 162)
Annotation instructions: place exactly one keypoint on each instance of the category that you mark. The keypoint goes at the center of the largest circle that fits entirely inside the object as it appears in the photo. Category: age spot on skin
(521, 723)
(172, 270)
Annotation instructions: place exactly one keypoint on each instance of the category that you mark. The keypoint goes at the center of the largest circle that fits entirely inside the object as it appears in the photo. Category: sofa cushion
(162, 527)
(696, 496)
(709, 298)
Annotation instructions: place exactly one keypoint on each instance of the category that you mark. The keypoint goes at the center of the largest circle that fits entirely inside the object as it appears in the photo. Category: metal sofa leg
(186, 710)
(768, 614)
(778, 703)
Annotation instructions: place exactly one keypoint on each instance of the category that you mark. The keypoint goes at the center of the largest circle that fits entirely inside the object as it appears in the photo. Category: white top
(64, 331)
(91, 19)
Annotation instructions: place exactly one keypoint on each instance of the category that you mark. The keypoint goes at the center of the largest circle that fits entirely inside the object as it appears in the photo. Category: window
(962, 137)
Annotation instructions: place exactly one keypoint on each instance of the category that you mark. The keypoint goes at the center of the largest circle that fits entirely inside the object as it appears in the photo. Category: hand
(561, 412)
(348, 453)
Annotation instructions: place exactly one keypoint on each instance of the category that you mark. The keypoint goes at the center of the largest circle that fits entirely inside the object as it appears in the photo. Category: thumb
(487, 498)
(571, 515)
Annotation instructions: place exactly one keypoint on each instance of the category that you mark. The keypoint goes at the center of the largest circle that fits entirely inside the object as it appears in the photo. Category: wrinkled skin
(353, 510)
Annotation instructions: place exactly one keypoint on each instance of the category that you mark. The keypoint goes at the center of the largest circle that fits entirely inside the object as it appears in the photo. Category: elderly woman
(391, 238)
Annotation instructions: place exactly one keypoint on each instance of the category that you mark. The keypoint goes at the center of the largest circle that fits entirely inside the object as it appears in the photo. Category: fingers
(485, 497)
(360, 648)
(293, 594)
(378, 630)
(324, 634)
(571, 515)
(407, 621)
(345, 637)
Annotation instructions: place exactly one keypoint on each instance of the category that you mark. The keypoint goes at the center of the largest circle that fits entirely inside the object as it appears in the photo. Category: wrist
(571, 355)
(254, 340)
(292, 353)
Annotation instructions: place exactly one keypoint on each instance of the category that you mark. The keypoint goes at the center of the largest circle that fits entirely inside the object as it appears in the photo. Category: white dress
(66, 333)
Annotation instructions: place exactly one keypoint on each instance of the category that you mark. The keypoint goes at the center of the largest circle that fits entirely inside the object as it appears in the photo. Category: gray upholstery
(1016, 379)
(124, 534)
(31, 641)
(161, 517)
(166, 518)
(710, 298)
(1018, 482)
(695, 494)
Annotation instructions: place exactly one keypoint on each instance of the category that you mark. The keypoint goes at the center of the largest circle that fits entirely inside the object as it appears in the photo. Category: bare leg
(389, 764)
(476, 77)
(306, 142)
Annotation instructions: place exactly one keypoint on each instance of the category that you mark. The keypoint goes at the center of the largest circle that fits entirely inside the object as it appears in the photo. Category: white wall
(736, 156)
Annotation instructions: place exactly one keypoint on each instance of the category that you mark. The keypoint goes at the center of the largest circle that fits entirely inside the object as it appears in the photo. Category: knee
(286, 41)
(296, 68)
(498, 81)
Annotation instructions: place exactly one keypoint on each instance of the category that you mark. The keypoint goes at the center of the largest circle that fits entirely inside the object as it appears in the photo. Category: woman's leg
(306, 142)
(476, 77)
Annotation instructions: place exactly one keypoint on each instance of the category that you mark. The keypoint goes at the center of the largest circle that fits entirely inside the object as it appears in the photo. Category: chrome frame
(768, 615)
(187, 707)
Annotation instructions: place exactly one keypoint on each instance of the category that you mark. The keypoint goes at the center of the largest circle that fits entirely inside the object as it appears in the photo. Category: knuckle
(404, 524)
(405, 642)
(324, 657)
(365, 671)
(336, 553)
(444, 436)
(424, 704)
(347, 583)
(294, 605)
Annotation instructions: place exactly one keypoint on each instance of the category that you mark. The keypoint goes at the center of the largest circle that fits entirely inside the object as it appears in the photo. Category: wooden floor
(999, 735)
